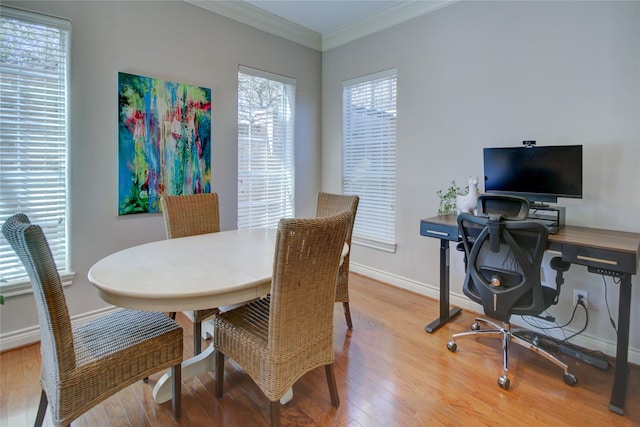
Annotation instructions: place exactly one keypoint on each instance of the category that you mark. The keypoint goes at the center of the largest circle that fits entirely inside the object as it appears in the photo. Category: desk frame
(615, 251)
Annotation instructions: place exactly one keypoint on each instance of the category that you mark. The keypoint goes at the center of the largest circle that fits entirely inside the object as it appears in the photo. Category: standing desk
(609, 252)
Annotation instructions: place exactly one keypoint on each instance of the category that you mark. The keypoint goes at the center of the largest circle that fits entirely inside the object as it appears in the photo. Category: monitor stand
(551, 216)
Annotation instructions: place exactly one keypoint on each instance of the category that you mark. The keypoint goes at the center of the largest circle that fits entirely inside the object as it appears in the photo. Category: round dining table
(189, 273)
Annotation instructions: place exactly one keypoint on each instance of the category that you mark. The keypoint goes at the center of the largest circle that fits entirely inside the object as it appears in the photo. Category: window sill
(22, 288)
(375, 244)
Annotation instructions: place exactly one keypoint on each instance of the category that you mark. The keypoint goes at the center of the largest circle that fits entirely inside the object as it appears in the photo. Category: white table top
(188, 273)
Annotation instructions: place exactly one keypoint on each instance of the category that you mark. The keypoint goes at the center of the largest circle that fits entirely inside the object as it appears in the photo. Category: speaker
(509, 207)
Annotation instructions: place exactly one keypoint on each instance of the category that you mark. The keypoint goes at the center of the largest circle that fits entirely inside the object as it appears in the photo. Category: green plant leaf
(447, 197)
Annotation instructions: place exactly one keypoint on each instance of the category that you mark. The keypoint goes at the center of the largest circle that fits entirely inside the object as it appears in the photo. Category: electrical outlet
(585, 297)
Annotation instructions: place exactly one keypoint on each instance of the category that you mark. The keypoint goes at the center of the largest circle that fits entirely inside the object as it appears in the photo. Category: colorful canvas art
(164, 141)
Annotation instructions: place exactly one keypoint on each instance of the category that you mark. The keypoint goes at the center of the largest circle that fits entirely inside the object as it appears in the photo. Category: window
(369, 156)
(34, 58)
(266, 112)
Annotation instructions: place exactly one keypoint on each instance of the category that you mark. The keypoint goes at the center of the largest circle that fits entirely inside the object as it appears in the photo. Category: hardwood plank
(388, 371)
(132, 407)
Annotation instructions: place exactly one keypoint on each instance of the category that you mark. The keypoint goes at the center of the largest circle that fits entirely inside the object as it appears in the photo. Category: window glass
(266, 112)
(34, 58)
(369, 156)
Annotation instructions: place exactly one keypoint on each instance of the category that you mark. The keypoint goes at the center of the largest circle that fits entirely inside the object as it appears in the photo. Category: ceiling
(321, 24)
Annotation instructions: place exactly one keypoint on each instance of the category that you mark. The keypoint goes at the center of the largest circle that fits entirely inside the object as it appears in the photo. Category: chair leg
(176, 391)
(482, 332)
(275, 414)
(219, 374)
(347, 314)
(488, 322)
(197, 340)
(517, 340)
(42, 410)
(331, 381)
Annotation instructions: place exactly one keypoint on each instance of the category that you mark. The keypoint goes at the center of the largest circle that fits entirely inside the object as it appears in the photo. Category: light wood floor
(389, 373)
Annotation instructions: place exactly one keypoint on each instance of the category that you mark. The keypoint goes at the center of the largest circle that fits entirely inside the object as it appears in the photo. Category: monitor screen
(541, 174)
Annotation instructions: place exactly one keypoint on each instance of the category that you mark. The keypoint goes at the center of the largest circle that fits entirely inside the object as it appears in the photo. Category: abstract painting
(164, 141)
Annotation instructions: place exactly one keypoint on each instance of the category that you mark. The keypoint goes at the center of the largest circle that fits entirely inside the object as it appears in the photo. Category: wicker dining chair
(331, 204)
(279, 338)
(189, 215)
(85, 364)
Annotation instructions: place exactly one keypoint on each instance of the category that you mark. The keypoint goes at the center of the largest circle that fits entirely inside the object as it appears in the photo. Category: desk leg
(619, 392)
(445, 313)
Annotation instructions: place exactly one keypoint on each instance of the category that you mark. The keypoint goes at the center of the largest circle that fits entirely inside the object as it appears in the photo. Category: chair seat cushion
(112, 352)
(521, 307)
(242, 334)
(122, 330)
(250, 321)
(548, 295)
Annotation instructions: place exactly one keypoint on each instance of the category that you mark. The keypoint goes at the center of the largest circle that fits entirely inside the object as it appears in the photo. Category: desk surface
(188, 273)
(625, 243)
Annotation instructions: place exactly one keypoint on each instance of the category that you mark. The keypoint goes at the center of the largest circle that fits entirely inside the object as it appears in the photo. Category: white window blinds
(369, 156)
(34, 55)
(266, 112)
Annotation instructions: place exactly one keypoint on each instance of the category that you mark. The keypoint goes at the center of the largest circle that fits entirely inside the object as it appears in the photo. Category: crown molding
(382, 20)
(248, 14)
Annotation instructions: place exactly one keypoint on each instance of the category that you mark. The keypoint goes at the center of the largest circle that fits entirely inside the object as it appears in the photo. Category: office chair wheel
(452, 346)
(504, 382)
(570, 379)
(475, 326)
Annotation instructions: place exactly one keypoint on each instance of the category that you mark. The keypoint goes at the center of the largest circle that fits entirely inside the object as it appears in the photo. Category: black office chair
(504, 254)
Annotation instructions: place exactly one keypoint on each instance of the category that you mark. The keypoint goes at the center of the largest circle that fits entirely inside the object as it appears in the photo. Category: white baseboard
(584, 340)
(31, 334)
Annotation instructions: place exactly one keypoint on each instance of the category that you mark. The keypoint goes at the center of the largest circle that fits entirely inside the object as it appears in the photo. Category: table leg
(203, 362)
(620, 380)
(445, 312)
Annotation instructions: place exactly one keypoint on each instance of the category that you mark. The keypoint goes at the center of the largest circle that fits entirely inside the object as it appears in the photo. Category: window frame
(375, 223)
(287, 157)
(56, 230)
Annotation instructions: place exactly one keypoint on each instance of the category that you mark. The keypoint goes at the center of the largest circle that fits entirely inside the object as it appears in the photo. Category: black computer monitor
(541, 174)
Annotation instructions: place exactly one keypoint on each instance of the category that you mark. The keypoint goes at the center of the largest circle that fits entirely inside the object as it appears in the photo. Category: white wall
(174, 41)
(481, 74)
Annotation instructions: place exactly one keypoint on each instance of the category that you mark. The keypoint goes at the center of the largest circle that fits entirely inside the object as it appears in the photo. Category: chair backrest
(191, 214)
(56, 347)
(307, 256)
(331, 204)
(503, 264)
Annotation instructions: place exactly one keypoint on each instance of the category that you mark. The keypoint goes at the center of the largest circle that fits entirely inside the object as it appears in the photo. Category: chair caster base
(570, 379)
(504, 382)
